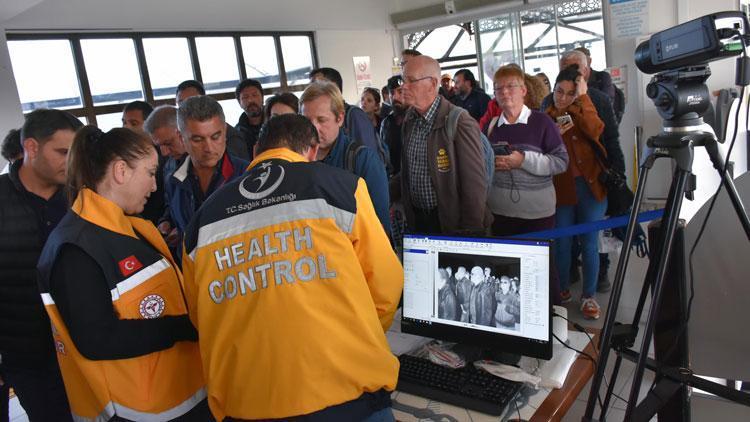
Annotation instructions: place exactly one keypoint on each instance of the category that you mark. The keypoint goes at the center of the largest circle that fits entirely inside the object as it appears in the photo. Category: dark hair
(143, 106)
(93, 151)
(190, 83)
(42, 123)
(394, 82)
(467, 75)
(410, 52)
(292, 131)
(570, 73)
(374, 92)
(384, 90)
(330, 74)
(286, 98)
(246, 83)
(11, 148)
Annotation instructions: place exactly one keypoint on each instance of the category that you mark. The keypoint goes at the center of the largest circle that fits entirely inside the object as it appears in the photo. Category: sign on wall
(629, 18)
(620, 78)
(362, 73)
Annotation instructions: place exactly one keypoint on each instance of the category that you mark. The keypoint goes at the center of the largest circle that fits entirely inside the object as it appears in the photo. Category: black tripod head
(681, 95)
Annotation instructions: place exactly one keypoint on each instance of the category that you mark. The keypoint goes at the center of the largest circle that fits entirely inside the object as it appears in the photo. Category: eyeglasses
(407, 81)
(509, 87)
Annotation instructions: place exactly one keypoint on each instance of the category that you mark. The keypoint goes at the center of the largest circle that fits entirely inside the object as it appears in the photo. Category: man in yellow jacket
(291, 282)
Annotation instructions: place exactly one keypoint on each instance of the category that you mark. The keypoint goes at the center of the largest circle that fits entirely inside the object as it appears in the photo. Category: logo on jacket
(129, 265)
(262, 181)
(152, 306)
(443, 162)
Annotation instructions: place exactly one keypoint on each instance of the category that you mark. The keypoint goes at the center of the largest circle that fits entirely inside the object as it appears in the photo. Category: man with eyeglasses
(468, 95)
(442, 182)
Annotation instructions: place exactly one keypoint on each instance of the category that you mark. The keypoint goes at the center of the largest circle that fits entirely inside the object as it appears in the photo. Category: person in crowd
(161, 125)
(11, 149)
(447, 303)
(385, 105)
(370, 104)
(249, 94)
(356, 124)
(581, 196)
(282, 103)
(390, 127)
(406, 55)
(323, 105)
(543, 77)
(32, 203)
(446, 87)
(522, 197)
(610, 139)
(508, 311)
(535, 91)
(208, 166)
(274, 304)
(451, 280)
(599, 79)
(482, 300)
(463, 292)
(468, 95)
(235, 143)
(442, 183)
(134, 114)
(126, 347)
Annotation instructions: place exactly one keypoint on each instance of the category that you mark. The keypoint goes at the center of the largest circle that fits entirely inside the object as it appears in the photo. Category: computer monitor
(497, 295)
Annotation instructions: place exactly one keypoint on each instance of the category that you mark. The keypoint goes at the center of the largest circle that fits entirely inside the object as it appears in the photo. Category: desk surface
(542, 405)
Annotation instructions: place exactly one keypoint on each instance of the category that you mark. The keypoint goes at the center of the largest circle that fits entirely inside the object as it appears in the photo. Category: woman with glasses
(581, 196)
(528, 152)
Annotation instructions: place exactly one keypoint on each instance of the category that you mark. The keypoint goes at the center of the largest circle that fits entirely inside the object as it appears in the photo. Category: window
(95, 75)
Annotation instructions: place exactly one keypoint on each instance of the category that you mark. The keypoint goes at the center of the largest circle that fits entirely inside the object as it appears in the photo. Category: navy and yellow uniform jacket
(291, 282)
(145, 284)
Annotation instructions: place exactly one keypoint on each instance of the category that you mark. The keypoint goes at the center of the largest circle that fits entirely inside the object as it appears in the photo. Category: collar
(432, 111)
(282, 153)
(225, 165)
(99, 210)
(522, 118)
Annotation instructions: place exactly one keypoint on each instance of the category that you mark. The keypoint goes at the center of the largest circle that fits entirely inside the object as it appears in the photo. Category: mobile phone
(501, 148)
(564, 119)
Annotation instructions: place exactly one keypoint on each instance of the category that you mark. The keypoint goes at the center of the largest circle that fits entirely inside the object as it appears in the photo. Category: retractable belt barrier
(593, 226)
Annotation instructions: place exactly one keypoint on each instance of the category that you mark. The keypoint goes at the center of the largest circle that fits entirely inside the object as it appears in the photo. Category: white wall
(10, 105)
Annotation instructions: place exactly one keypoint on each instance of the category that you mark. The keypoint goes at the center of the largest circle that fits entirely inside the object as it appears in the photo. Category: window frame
(89, 110)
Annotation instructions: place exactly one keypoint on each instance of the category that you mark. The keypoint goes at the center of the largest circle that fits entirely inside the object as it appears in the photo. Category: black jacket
(25, 334)
(249, 134)
(475, 103)
(390, 133)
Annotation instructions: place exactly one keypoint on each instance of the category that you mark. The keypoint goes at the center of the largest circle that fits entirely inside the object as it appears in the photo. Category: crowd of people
(174, 268)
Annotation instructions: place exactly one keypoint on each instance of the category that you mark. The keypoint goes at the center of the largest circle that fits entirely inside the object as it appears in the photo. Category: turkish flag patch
(129, 265)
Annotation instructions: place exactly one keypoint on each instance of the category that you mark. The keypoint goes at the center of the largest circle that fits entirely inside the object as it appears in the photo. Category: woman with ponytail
(125, 345)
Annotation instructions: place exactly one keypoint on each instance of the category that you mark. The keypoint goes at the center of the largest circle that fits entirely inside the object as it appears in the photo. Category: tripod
(677, 141)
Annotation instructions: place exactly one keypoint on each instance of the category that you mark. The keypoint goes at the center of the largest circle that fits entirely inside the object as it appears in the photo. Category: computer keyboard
(466, 387)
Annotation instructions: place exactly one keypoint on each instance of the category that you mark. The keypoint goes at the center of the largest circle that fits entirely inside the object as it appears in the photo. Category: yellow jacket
(158, 386)
(291, 282)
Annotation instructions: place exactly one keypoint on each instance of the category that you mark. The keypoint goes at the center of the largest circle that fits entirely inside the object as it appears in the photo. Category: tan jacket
(457, 170)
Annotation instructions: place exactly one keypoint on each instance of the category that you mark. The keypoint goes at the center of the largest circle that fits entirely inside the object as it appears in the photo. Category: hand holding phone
(501, 148)
(565, 119)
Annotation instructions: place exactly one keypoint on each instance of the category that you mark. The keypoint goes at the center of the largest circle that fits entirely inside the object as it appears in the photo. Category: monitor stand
(471, 353)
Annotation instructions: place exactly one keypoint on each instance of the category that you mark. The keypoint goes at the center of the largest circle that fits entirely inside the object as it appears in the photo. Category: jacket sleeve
(492, 110)
(371, 169)
(188, 275)
(381, 267)
(361, 128)
(585, 117)
(554, 157)
(471, 170)
(85, 305)
(611, 136)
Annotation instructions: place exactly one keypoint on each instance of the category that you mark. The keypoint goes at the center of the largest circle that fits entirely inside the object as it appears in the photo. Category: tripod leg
(726, 180)
(671, 217)
(614, 298)
(610, 388)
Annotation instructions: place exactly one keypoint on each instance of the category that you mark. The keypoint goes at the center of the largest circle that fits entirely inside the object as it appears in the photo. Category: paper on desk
(554, 371)
(401, 343)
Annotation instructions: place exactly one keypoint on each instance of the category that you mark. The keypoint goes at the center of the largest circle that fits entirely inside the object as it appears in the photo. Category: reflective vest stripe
(139, 278)
(309, 209)
(113, 409)
(47, 299)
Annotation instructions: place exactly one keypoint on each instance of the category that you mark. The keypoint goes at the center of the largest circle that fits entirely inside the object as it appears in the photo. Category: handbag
(619, 196)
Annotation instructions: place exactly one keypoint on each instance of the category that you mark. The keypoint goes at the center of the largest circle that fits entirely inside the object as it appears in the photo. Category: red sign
(129, 265)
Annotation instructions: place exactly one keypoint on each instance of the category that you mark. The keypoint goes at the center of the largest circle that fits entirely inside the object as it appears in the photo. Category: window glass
(218, 63)
(500, 45)
(539, 41)
(168, 61)
(232, 111)
(260, 60)
(107, 121)
(112, 70)
(298, 60)
(41, 85)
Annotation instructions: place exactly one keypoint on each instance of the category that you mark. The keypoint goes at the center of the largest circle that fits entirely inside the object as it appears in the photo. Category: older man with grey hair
(442, 183)
(202, 127)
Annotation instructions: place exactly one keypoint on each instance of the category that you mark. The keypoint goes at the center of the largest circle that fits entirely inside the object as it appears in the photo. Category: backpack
(382, 147)
(489, 156)
(350, 154)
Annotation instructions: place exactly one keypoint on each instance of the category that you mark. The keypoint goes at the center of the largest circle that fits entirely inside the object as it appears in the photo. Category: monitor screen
(484, 291)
